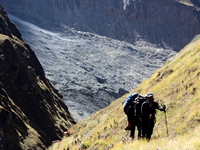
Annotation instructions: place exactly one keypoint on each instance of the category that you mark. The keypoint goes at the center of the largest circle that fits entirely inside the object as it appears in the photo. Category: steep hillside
(176, 85)
(32, 112)
(109, 68)
(167, 23)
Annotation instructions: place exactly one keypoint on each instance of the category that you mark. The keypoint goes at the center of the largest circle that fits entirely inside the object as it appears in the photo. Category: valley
(90, 70)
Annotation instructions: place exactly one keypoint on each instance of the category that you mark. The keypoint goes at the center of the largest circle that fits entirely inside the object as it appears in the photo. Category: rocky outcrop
(166, 23)
(32, 112)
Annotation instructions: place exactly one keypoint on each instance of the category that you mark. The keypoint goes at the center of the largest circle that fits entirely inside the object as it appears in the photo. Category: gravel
(90, 70)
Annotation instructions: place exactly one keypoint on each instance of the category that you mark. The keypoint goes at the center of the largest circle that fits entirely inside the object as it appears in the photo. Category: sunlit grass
(177, 85)
(188, 141)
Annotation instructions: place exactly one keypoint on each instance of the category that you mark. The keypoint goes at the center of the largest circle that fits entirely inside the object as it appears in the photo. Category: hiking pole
(166, 122)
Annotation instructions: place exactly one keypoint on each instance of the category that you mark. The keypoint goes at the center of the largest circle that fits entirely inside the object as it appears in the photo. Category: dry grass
(175, 85)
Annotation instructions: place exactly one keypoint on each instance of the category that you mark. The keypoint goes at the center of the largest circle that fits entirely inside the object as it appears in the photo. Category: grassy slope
(176, 84)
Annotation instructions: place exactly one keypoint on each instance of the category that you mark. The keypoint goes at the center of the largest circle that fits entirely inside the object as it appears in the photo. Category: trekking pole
(166, 122)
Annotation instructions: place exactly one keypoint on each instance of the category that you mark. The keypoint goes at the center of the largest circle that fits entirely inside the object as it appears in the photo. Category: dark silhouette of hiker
(148, 110)
(127, 105)
(134, 114)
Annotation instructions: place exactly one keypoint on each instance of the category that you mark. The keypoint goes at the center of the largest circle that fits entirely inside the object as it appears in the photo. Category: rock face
(91, 70)
(32, 112)
(167, 23)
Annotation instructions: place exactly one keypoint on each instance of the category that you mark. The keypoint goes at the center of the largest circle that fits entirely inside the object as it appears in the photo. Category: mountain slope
(176, 85)
(32, 112)
(164, 23)
(152, 28)
(91, 70)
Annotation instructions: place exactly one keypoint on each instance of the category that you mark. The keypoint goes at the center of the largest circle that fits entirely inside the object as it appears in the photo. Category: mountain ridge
(32, 111)
(23, 119)
(153, 21)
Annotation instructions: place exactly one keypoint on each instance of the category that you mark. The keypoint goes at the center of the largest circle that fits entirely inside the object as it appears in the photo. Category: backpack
(128, 101)
(135, 106)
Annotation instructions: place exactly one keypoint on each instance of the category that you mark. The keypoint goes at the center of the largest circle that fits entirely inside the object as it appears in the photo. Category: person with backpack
(148, 111)
(132, 109)
(127, 105)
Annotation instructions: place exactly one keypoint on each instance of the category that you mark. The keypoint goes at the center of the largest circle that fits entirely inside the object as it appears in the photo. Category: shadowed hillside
(167, 23)
(176, 85)
(32, 112)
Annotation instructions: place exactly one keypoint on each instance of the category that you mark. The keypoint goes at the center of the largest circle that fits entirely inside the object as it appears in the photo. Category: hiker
(126, 106)
(132, 108)
(148, 111)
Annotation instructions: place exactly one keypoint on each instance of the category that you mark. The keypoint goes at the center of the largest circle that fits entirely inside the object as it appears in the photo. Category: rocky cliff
(32, 112)
(166, 23)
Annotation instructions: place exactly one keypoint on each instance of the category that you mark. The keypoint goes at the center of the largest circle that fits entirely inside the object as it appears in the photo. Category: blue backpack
(132, 105)
(128, 101)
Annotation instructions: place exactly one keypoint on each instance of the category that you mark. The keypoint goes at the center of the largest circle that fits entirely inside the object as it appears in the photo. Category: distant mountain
(166, 23)
(32, 112)
(91, 70)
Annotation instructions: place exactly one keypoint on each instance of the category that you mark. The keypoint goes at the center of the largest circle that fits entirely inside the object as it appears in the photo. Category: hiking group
(140, 111)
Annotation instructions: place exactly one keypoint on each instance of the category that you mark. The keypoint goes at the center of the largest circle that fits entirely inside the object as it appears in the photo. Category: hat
(149, 95)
